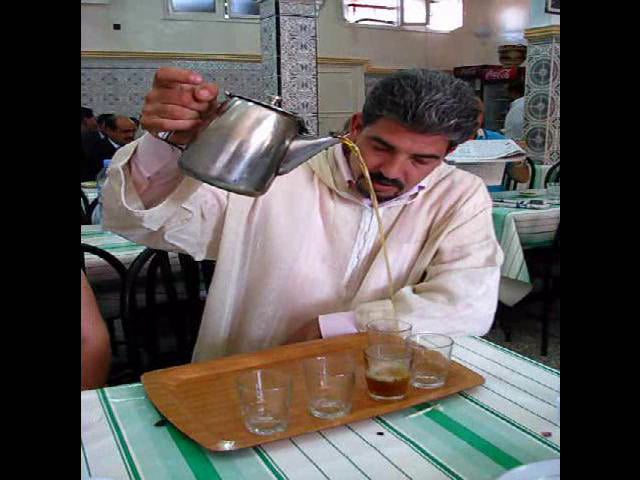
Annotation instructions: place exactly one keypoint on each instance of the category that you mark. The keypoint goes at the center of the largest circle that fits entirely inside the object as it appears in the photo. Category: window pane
(414, 11)
(245, 7)
(193, 5)
(445, 15)
(372, 12)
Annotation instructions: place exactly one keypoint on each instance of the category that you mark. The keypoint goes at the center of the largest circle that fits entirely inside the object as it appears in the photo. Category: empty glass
(265, 399)
(330, 380)
(387, 370)
(388, 331)
(553, 191)
(431, 359)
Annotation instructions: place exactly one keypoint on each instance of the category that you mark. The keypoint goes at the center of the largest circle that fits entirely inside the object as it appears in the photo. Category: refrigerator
(490, 83)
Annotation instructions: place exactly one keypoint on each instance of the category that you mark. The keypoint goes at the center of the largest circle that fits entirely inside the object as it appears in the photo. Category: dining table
(518, 229)
(513, 419)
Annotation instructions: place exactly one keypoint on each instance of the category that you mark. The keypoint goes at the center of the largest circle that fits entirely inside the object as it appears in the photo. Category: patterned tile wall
(289, 52)
(542, 100)
(120, 85)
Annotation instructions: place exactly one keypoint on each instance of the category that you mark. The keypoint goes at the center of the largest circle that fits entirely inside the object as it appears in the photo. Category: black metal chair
(510, 183)
(553, 175)
(110, 320)
(551, 287)
(85, 217)
(86, 208)
(92, 207)
(178, 313)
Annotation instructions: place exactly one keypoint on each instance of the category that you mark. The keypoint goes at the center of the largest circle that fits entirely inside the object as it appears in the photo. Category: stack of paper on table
(486, 158)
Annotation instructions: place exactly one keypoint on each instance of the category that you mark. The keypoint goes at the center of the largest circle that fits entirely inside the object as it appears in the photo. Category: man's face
(397, 158)
(125, 131)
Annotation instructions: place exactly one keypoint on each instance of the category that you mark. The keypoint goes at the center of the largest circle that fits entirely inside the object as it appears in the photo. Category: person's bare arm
(96, 349)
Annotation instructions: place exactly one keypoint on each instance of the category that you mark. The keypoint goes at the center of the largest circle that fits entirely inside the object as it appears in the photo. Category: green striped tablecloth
(475, 435)
(518, 229)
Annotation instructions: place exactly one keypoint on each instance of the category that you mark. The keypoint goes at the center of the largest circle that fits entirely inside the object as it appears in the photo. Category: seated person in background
(519, 171)
(88, 134)
(304, 260)
(482, 133)
(101, 122)
(96, 349)
(119, 130)
(88, 122)
(139, 130)
(514, 121)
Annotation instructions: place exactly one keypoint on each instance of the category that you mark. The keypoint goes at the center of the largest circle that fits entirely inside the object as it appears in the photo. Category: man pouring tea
(305, 260)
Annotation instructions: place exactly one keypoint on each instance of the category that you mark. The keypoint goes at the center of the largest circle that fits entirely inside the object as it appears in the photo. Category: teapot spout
(302, 149)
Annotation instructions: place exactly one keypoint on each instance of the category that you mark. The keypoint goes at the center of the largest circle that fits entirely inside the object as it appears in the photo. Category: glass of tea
(431, 359)
(388, 331)
(387, 370)
(265, 398)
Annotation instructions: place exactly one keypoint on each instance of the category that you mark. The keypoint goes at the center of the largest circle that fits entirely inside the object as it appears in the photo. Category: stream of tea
(374, 200)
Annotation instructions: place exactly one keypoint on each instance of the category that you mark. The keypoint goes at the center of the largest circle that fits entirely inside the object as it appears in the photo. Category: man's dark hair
(426, 101)
(107, 117)
(135, 120)
(516, 88)
(85, 113)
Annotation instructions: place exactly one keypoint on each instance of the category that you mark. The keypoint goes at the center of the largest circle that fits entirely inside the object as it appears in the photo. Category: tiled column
(289, 56)
(542, 97)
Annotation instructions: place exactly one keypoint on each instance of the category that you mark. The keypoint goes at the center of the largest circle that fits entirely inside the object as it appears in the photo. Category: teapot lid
(274, 106)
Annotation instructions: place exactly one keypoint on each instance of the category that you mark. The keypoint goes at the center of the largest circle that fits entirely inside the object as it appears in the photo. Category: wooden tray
(201, 400)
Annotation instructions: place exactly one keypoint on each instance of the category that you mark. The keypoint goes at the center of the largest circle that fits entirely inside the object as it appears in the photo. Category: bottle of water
(96, 216)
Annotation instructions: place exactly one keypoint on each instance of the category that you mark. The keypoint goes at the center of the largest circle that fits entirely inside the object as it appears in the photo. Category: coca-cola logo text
(501, 74)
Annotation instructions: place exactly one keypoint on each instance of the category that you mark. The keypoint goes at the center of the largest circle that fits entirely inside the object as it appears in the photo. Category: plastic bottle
(96, 216)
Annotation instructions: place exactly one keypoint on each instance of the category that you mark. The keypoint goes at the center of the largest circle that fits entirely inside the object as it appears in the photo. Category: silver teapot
(248, 145)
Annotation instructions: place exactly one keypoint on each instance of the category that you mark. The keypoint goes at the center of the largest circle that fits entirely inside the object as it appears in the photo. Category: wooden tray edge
(148, 380)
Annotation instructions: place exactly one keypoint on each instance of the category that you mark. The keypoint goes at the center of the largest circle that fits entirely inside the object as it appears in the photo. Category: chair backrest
(553, 175)
(117, 376)
(92, 207)
(510, 183)
(532, 172)
(85, 216)
(179, 310)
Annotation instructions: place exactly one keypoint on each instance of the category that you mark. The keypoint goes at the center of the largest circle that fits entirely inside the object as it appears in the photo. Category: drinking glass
(265, 399)
(388, 331)
(387, 370)
(553, 192)
(330, 380)
(431, 359)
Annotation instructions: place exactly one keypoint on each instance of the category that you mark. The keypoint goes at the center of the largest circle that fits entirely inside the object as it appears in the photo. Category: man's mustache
(378, 177)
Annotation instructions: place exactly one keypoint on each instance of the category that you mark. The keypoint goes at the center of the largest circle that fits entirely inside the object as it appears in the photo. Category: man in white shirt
(304, 259)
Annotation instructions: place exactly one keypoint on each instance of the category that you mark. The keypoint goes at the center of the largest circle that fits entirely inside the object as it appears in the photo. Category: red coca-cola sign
(489, 73)
(468, 72)
(510, 73)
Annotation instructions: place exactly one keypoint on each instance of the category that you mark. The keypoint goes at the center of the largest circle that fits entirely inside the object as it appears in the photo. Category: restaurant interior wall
(349, 54)
(539, 17)
(143, 27)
